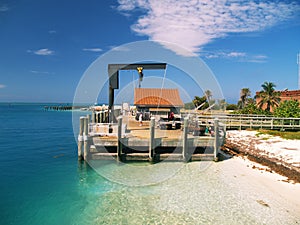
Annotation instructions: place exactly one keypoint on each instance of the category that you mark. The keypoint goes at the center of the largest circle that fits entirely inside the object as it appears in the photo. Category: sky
(47, 45)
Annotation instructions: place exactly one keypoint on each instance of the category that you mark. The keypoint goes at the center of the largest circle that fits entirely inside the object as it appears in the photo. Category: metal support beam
(113, 74)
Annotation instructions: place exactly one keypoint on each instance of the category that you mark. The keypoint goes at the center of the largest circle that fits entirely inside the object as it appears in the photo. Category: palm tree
(208, 95)
(197, 101)
(244, 95)
(268, 96)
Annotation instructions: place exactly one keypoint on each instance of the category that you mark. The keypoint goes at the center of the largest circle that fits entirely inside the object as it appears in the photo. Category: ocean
(42, 182)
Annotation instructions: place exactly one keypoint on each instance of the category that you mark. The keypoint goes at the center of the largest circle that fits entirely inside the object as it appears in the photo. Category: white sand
(256, 175)
(227, 192)
(230, 192)
(287, 151)
(233, 191)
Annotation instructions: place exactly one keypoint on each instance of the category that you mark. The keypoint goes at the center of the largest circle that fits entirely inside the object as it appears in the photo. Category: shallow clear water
(43, 183)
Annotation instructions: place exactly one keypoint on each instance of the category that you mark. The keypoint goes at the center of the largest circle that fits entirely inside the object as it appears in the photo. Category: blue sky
(46, 46)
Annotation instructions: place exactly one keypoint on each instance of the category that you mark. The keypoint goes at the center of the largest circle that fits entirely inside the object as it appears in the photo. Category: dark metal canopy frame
(113, 74)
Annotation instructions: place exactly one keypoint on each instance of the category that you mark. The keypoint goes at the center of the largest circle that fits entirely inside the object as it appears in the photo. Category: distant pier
(62, 107)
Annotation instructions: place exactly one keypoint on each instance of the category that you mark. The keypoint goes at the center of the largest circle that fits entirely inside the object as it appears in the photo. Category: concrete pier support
(94, 117)
(106, 117)
(86, 147)
(185, 140)
(217, 139)
(119, 147)
(80, 138)
(152, 140)
(101, 117)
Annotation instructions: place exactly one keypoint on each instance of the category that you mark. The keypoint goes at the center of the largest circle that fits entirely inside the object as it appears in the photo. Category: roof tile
(157, 97)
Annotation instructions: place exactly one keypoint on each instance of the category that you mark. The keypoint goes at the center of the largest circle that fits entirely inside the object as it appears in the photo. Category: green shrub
(288, 109)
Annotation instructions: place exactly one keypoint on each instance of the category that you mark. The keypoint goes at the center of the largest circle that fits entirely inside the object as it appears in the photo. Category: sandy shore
(258, 175)
(234, 191)
(280, 155)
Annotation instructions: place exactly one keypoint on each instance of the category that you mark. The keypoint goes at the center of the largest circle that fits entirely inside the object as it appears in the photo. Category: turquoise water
(43, 183)
(41, 180)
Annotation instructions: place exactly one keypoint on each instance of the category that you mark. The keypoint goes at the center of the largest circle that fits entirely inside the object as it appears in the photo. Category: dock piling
(100, 117)
(94, 117)
(80, 138)
(217, 139)
(151, 144)
(185, 141)
(119, 147)
(86, 139)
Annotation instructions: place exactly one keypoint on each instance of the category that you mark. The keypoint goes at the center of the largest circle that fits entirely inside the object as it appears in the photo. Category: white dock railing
(237, 121)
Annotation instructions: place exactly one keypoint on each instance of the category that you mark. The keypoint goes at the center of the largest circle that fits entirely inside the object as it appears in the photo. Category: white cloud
(92, 49)
(224, 54)
(193, 24)
(42, 51)
(52, 31)
(261, 57)
(39, 72)
(235, 55)
(2, 86)
(4, 8)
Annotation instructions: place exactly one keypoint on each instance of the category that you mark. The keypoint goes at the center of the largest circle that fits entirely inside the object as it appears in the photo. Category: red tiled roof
(157, 97)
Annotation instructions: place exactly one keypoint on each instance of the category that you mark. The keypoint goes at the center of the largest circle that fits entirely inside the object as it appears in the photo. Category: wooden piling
(94, 117)
(152, 143)
(89, 118)
(86, 139)
(80, 138)
(101, 116)
(217, 139)
(106, 117)
(98, 117)
(119, 147)
(185, 140)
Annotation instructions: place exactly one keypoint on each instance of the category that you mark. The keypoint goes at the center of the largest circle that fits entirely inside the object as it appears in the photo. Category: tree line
(265, 102)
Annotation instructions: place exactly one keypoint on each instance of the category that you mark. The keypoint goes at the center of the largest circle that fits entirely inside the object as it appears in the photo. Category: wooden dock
(127, 141)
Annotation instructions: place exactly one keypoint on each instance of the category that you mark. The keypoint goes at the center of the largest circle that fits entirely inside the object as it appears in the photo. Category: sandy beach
(255, 174)
(280, 155)
(233, 191)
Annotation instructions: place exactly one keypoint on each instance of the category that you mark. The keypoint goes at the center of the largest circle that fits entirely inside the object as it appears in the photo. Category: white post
(272, 122)
(94, 117)
(86, 139)
(217, 139)
(151, 145)
(185, 141)
(101, 117)
(298, 62)
(119, 147)
(80, 138)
